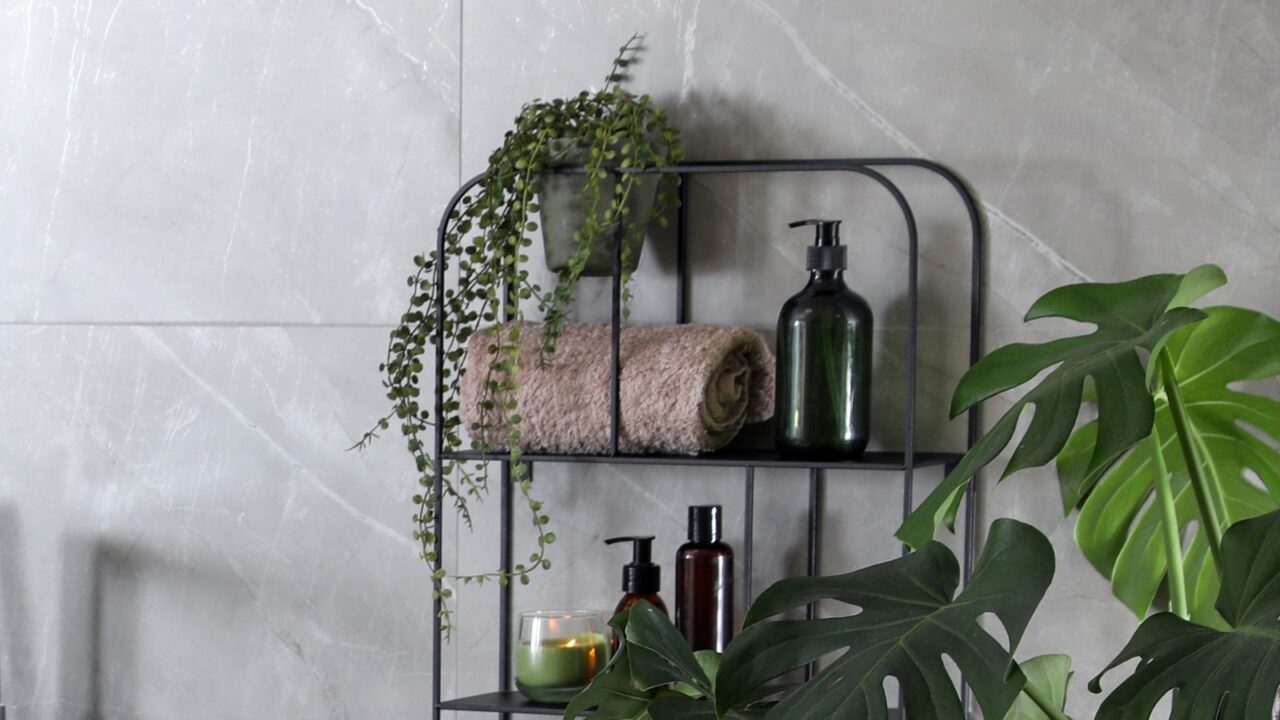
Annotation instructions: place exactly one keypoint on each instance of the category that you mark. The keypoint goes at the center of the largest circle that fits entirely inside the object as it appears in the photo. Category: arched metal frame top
(866, 167)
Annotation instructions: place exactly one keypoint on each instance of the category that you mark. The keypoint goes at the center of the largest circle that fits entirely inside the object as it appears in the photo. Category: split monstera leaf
(909, 618)
(1236, 434)
(1213, 674)
(1128, 317)
(1149, 520)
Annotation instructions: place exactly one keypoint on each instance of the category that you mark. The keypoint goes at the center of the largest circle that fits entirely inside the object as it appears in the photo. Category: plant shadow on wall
(480, 285)
(1163, 481)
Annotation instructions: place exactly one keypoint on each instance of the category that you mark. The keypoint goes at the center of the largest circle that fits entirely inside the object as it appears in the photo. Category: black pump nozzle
(826, 254)
(641, 575)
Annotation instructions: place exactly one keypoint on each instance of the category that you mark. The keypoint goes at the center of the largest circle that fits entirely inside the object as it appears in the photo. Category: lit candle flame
(573, 642)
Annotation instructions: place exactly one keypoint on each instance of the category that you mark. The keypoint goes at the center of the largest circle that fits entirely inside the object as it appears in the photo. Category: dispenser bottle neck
(826, 279)
(826, 258)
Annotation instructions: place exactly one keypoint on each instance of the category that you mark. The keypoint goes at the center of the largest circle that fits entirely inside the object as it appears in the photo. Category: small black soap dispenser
(641, 578)
(824, 357)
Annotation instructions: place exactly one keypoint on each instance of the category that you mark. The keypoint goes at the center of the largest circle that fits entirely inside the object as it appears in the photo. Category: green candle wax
(556, 669)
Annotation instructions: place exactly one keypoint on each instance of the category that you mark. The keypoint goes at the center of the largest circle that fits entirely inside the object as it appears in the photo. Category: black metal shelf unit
(506, 702)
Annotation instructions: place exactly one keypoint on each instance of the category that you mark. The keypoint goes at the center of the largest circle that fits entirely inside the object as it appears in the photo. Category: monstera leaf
(1119, 530)
(1048, 675)
(1128, 316)
(613, 693)
(652, 655)
(1216, 675)
(909, 619)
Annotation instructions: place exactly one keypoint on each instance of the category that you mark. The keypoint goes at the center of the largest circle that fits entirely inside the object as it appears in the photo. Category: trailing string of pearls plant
(486, 240)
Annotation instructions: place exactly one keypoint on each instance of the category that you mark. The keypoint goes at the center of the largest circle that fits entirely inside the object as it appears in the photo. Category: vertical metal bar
(972, 495)
(682, 253)
(913, 329)
(908, 504)
(504, 550)
(815, 541)
(815, 528)
(437, 484)
(504, 589)
(505, 543)
(437, 625)
(437, 527)
(748, 535)
(615, 375)
(977, 243)
(975, 353)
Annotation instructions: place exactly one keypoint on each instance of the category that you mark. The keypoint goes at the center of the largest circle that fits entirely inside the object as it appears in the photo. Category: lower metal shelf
(502, 702)
(514, 702)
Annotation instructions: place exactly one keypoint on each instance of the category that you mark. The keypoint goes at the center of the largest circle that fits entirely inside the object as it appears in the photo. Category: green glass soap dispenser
(824, 357)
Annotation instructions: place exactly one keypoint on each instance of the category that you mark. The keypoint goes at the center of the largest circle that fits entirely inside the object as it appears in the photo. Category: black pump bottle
(824, 357)
(704, 582)
(641, 578)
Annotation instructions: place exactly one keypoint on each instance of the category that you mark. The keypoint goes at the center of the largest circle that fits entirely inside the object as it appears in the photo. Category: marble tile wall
(206, 209)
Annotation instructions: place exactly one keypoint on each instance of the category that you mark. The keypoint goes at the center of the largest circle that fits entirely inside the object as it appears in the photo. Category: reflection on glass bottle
(824, 357)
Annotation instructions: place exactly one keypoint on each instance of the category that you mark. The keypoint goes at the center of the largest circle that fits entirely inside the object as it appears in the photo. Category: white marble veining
(207, 208)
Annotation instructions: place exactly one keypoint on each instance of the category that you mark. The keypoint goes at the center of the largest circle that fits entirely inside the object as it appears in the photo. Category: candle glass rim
(561, 614)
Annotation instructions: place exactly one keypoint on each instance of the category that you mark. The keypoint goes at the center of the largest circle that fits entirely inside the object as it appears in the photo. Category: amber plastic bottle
(704, 582)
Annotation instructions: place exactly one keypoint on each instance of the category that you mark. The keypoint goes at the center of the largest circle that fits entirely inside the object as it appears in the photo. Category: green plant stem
(1169, 522)
(1214, 487)
(1209, 520)
(1046, 706)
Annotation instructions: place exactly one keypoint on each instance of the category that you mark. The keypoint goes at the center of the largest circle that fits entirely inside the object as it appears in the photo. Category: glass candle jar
(559, 653)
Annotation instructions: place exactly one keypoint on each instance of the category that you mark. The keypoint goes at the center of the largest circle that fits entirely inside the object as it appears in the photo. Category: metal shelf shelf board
(872, 461)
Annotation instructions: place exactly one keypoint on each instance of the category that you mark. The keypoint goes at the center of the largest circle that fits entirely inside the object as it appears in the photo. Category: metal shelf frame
(505, 702)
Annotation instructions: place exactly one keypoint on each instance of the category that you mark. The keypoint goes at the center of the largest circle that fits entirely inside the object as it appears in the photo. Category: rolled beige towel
(684, 389)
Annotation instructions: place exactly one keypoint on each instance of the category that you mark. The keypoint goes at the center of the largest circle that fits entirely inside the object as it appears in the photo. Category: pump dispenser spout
(640, 575)
(826, 254)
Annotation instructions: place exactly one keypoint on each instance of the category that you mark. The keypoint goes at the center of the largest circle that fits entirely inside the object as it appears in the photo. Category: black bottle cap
(704, 524)
(641, 576)
(826, 253)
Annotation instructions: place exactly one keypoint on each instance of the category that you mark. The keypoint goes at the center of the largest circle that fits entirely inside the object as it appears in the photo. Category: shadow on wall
(99, 622)
(116, 599)
(17, 657)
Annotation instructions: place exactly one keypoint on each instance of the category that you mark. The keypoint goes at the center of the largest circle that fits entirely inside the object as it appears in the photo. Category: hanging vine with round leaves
(486, 240)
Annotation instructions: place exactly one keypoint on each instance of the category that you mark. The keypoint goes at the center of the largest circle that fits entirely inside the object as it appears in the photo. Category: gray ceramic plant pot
(562, 209)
